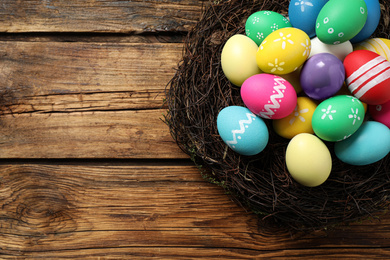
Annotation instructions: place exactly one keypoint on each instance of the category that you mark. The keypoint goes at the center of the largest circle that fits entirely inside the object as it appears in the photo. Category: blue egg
(303, 14)
(369, 144)
(243, 131)
(373, 16)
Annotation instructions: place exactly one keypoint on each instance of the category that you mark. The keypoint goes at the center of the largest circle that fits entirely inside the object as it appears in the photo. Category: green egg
(260, 24)
(339, 21)
(337, 118)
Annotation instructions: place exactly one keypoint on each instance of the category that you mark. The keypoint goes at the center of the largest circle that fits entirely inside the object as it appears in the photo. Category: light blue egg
(242, 131)
(373, 16)
(369, 144)
(303, 14)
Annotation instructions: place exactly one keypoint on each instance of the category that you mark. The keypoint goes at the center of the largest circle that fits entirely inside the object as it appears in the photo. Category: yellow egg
(299, 121)
(238, 59)
(379, 45)
(283, 51)
(308, 160)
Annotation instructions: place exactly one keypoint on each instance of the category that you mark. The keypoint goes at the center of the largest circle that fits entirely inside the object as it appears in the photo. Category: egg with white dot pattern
(340, 21)
(260, 24)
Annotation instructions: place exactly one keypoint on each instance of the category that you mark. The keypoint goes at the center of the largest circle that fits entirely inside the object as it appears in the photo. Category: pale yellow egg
(238, 59)
(283, 51)
(308, 160)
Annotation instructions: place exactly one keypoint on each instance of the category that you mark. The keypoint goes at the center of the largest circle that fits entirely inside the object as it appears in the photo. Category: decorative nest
(197, 93)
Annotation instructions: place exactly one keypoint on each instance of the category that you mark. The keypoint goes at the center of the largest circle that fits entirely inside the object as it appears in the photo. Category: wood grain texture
(165, 211)
(85, 100)
(122, 16)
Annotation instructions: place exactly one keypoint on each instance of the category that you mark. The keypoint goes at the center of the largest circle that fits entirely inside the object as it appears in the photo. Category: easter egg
(373, 16)
(303, 14)
(339, 21)
(381, 113)
(322, 76)
(268, 96)
(294, 79)
(380, 46)
(369, 144)
(337, 118)
(368, 76)
(339, 50)
(308, 160)
(260, 24)
(244, 132)
(299, 121)
(283, 51)
(238, 59)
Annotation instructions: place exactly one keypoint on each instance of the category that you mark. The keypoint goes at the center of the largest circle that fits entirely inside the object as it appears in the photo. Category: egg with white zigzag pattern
(243, 131)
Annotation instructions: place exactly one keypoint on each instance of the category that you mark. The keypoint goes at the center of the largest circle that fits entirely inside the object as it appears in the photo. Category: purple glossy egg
(322, 76)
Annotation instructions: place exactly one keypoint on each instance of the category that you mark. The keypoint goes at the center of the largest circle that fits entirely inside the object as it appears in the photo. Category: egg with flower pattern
(283, 51)
(338, 117)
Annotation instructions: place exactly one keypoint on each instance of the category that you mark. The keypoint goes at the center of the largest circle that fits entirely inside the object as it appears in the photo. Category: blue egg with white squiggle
(369, 144)
(243, 131)
(303, 14)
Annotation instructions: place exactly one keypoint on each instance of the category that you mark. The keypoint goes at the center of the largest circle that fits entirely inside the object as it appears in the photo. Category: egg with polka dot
(381, 113)
(283, 51)
(340, 21)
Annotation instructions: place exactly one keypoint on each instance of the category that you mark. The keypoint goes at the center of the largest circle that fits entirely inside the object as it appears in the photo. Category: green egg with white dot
(337, 118)
(260, 24)
(339, 21)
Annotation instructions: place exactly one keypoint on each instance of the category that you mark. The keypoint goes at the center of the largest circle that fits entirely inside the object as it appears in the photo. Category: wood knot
(36, 204)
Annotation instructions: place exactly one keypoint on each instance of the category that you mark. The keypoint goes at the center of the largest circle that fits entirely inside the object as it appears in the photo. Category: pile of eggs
(316, 75)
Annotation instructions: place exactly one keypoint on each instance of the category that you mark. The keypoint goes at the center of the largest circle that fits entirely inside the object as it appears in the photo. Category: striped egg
(379, 45)
(368, 76)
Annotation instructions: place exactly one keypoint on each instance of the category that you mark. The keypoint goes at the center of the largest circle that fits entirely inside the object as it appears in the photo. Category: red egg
(368, 76)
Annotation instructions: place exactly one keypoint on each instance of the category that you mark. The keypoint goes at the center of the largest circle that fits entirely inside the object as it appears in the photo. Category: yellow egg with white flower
(299, 121)
(283, 51)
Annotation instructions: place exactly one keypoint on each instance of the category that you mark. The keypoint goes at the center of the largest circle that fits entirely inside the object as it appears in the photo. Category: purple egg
(322, 76)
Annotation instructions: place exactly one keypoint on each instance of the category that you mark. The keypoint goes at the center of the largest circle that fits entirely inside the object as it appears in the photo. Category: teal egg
(243, 131)
(337, 118)
(260, 24)
(369, 144)
(339, 21)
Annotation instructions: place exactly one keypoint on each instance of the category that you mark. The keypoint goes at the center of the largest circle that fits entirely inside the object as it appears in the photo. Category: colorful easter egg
(244, 132)
(303, 14)
(337, 118)
(238, 59)
(260, 24)
(368, 76)
(380, 46)
(283, 51)
(294, 79)
(269, 96)
(373, 17)
(339, 50)
(339, 21)
(369, 144)
(322, 76)
(308, 160)
(381, 113)
(299, 121)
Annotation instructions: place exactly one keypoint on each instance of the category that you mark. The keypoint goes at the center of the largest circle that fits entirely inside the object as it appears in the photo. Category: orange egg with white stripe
(380, 46)
(368, 76)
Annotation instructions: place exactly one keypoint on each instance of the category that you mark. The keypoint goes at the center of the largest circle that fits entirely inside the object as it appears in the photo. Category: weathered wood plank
(132, 210)
(122, 16)
(66, 77)
(111, 134)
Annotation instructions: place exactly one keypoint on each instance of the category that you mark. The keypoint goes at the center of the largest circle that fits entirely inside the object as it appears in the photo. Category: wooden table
(89, 169)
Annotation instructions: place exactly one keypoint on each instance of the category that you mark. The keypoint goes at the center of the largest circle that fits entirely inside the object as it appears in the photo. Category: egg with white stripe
(368, 76)
(379, 45)
(243, 131)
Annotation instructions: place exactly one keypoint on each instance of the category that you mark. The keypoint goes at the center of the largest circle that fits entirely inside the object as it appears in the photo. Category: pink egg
(269, 96)
(381, 113)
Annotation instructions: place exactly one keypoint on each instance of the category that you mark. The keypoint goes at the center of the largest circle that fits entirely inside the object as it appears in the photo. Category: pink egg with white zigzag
(269, 96)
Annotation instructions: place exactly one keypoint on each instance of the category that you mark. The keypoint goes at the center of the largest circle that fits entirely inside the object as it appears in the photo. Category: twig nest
(199, 91)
